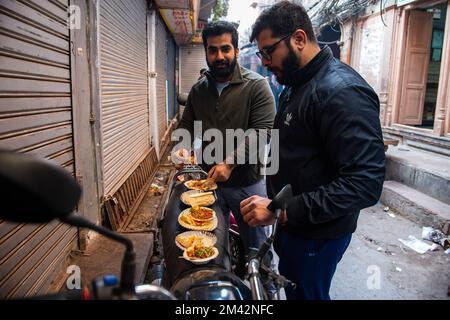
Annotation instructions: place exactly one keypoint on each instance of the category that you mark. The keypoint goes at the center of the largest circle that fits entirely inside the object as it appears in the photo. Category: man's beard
(224, 72)
(288, 67)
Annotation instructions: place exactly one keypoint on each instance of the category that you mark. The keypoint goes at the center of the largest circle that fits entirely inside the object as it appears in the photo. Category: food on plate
(201, 213)
(203, 185)
(195, 238)
(198, 198)
(188, 241)
(200, 194)
(199, 252)
(187, 218)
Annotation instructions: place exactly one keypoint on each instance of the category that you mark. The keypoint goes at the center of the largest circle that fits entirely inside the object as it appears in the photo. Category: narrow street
(99, 89)
(375, 245)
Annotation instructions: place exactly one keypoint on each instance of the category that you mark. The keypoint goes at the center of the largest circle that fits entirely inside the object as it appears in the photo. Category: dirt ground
(403, 273)
(150, 208)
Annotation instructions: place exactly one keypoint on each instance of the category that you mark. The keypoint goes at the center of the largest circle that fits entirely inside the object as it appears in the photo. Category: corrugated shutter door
(171, 51)
(161, 66)
(124, 102)
(193, 60)
(35, 118)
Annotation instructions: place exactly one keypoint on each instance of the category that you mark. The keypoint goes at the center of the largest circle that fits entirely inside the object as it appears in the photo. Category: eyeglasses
(266, 53)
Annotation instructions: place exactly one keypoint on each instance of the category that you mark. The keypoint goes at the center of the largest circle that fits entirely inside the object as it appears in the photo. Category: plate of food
(198, 198)
(200, 254)
(195, 238)
(201, 219)
(202, 185)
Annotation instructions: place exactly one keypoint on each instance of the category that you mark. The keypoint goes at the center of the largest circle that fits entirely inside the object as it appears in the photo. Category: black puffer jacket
(331, 148)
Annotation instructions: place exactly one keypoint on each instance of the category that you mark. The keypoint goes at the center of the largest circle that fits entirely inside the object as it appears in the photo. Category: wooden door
(417, 52)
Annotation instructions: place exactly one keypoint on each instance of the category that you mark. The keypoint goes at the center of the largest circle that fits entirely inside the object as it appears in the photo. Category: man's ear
(300, 38)
(236, 52)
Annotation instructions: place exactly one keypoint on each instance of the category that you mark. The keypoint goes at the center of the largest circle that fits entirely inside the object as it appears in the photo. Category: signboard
(180, 16)
(197, 39)
(178, 20)
(404, 2)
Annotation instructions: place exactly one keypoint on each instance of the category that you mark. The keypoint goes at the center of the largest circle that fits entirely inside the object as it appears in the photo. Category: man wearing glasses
(230, 97)
(331, 150)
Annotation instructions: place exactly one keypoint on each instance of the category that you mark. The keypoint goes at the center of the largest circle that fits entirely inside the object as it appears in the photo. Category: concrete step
(416, 206)
(421, 170)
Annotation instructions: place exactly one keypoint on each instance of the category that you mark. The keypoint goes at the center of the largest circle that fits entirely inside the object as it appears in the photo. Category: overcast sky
(240, 11)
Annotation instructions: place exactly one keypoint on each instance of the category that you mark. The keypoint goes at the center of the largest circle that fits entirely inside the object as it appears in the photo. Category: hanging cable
(327, 42)
(381, 13)
(331, 26)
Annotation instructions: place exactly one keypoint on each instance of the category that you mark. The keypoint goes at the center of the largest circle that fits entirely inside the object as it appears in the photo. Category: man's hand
(220, 172)
(180, 157)
(255, 212)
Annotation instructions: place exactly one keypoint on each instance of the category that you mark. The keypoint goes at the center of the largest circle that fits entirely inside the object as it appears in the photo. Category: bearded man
(231, 97)
(331, 150)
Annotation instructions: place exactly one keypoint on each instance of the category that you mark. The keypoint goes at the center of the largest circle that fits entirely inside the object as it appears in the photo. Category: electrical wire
(327, 42)
(333, 12)
(381, 12)
(337, 31)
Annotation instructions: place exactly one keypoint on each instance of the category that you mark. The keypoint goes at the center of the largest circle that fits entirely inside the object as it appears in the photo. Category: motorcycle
(52, 193)
(230, 276)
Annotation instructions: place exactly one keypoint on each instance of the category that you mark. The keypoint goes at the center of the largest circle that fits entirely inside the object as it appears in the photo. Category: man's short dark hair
(218, 28)
(283, 18)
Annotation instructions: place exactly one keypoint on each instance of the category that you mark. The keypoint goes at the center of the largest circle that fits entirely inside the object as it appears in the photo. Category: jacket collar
(303, 75)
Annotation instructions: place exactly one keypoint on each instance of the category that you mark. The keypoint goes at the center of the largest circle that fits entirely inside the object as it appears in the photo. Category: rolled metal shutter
(193, 59)
(161, 70)
(35, 118)
(125, 125)
(171, 52)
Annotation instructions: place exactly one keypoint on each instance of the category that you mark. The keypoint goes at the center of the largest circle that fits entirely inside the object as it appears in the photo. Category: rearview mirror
(35, 190)
(182, 98)
(281, 199)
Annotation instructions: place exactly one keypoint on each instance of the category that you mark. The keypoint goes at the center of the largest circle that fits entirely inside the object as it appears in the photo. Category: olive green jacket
(246, 103)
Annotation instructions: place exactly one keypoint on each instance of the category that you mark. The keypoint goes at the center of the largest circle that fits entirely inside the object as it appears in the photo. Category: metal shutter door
(125, 126)
(35, 118)
(171, 51)
(161, 66)
(193, 58)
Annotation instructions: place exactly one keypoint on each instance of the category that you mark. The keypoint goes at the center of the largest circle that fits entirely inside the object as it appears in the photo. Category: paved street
(374, 247)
